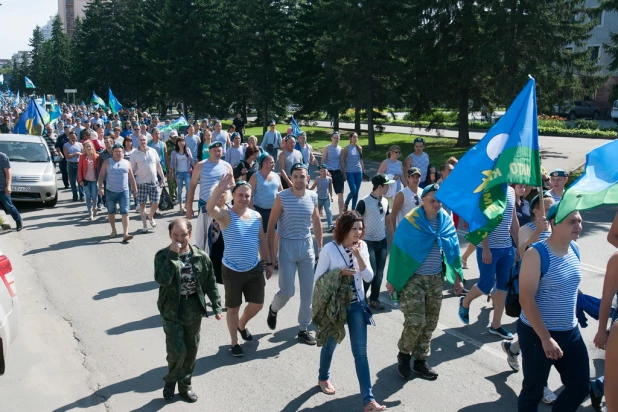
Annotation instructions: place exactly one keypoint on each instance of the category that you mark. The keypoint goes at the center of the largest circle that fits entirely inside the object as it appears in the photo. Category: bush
(559, 124)
(554, 131)
(584, 124)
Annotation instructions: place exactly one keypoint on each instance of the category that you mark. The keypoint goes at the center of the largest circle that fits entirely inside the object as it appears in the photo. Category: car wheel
(595, 115)
(52, 203)
(572, 116)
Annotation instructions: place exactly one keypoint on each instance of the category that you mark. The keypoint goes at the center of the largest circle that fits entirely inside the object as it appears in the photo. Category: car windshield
(25, 152)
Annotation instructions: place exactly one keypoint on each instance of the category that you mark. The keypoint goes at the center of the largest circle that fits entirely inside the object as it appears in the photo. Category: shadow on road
(151, 380)
(506, 402)
(140, 287)
(151, 322)
(68, 244)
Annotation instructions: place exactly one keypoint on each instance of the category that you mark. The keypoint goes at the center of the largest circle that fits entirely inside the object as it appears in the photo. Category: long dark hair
(358, 147)
(344, 225)
(177, 146)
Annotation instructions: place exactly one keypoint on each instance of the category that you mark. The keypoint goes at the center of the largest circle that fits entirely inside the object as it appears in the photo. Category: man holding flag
(477, 190)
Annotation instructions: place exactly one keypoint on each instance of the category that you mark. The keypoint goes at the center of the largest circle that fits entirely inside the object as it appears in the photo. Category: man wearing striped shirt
(558, 179)
(294, 211)
(241, 270)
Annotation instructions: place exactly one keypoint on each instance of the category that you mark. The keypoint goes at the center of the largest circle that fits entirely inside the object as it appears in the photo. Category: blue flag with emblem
(32, 121)
(54, 113)
(29, 84)
(295, 128)
(509, 153)
(114, 104)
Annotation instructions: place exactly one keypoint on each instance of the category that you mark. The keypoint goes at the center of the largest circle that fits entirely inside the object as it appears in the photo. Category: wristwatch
(268, 264)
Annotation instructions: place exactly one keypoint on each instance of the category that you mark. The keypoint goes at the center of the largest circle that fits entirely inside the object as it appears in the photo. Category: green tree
(56, 62)
(35, 68)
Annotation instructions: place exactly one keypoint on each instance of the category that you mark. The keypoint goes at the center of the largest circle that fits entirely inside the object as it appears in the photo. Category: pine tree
(35, 68)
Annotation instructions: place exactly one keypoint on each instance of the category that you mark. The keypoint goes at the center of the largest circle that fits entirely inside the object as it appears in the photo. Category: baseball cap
(215, 144)
(298, 166)
(559, 172)
(117, 146)
(323, 166)
(414, 171)
(234, 135)
(419, 140)
(551, 213)
(381, 179)
(535, 199)
(428, 189)
(174, 133)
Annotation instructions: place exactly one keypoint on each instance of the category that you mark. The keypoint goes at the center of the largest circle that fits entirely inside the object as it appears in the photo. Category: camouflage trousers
(172, 188)
(182, 339)
(420, 301)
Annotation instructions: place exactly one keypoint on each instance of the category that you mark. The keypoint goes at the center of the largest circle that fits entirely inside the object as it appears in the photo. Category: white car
(33, 173)
(9, 308)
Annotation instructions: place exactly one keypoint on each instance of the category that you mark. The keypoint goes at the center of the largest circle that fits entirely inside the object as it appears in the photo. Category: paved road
(556, 152)
(91, 336)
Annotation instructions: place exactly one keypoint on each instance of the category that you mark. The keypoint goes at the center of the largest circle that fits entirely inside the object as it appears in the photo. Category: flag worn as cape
(30, 121)
(412, 243)
(596, 186)
(509, 153)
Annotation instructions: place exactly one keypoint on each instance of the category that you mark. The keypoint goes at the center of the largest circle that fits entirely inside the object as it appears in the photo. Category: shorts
(122, 198)
(148, 190)
(498, 271)
(250, 283)
(337, 176)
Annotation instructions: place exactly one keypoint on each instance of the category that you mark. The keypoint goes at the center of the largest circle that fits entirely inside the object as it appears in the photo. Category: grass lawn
(439, 149)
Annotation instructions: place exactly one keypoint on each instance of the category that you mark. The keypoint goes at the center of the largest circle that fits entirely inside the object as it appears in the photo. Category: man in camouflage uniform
(421, 297)
(185, 275)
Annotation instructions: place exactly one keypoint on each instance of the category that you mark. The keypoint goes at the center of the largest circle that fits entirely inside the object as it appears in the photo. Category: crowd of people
(258, 212)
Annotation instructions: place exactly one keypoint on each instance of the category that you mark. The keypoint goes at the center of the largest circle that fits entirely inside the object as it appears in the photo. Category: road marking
(591, 268)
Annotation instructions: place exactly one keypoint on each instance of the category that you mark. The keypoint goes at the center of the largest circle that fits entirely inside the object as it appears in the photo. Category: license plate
(21, 189)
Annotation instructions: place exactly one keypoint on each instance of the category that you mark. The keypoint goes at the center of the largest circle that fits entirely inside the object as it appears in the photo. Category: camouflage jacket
(167, 274)
(331, 298)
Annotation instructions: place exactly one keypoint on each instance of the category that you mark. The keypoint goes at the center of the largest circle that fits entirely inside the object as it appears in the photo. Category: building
(20, 56)
(4, 62)
(46, 30)
(69, 10)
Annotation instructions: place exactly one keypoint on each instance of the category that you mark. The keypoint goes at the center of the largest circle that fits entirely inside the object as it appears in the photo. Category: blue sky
(19, 17)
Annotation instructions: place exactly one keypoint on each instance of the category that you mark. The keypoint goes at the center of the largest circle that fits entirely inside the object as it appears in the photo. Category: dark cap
(559, 172)
(381, 179)
(419, 140)
(535, 199)
(428, 189)
(215, 144)
(233, 136)
(323, 166)
(117, 146)
(298, 166)
(551, 213)
(414, 171)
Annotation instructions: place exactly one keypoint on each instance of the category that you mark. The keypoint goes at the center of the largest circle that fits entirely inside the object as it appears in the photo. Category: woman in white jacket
(349, 253)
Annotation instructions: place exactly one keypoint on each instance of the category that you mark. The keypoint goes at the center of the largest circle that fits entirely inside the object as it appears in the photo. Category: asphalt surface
(91, 335)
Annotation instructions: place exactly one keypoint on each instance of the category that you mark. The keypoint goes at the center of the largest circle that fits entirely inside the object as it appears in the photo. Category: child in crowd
(324, 183)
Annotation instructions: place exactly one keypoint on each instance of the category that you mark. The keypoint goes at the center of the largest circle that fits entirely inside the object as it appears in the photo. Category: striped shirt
(333, 157)
(290, 158)
(353, 160)
(543, 235)
(192, 142)
(323, 184)
(556, 197)
(210, 176)
(501, 236)
(305, 151)
(433, 262)
(266, 191)
(422, 162)
(556, 296)
(242, 239)
(117, 176)
(295, 220)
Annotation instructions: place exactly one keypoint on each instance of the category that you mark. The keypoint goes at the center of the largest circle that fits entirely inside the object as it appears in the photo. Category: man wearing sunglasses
(374, 209)
(407, 198)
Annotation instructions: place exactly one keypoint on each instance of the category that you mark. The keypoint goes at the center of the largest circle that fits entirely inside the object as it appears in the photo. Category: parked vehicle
(33, 173)
(614, 112)
(9, 310)
(577, 109)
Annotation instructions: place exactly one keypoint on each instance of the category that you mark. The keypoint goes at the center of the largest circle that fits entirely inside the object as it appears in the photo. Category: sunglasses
(417, 201)
(381, 208)
(396, 151)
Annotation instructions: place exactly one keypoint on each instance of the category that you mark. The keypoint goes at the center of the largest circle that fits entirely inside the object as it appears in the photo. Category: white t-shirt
(144, 165)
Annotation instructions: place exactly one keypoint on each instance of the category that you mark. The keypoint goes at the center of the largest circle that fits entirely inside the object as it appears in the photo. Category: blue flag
(295, 129)
(55, 111)
(29, 84)
(509, 153)
(31, 121)
(114, 104)
(16, 101)
(1, 78)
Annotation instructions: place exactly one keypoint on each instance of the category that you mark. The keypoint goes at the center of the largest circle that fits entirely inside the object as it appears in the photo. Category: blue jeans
(377, 259)
(183, 179)
(90, 188)
(75, 188)
(354, 182)
(573, 368)
(121, 198)
(7, 204)
(325, 203)
(358, 340)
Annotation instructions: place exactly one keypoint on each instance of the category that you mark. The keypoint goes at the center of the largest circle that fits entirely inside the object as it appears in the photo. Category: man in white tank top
(407, 198)
(249, 279)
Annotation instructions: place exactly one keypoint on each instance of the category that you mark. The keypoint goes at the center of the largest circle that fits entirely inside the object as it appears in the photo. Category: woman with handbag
(348, 252)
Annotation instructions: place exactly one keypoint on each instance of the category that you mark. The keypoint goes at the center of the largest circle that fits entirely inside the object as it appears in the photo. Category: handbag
(165, 203)
(512, 307)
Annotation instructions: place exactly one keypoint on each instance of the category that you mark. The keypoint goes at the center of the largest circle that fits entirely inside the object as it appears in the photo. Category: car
(33, 172)
(614, 112)
(9, 310)
(577, 109)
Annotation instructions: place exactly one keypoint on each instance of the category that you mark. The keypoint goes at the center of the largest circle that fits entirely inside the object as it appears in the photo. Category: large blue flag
(509, 153)
(29, 84)
(295, 128)
(114, 104)
(55, 110)
(31, 122)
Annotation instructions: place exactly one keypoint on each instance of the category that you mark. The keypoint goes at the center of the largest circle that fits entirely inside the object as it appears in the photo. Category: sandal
(374, 406)
(326, 387)
(127, 238)
(113, 234)
(464, 264)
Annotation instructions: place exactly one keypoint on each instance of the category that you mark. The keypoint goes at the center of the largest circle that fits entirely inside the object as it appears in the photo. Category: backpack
(512, 306)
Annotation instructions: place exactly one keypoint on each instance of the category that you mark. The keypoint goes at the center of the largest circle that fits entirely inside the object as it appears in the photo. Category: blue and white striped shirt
(333, 157)
(543, 235)
(556, 296)
(556, 197)
(295, 220)
(117, 175)
(210, 176)
(501, 236)
(242, 239)
(433, 262)
(353, 160)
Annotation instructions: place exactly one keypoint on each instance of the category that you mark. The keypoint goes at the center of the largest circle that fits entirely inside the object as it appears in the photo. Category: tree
(56, 62)
(35, 68)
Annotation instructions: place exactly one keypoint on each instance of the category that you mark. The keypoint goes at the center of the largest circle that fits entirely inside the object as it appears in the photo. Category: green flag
(96, 99)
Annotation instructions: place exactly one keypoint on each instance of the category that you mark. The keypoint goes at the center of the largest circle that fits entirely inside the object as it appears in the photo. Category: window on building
(595, 52)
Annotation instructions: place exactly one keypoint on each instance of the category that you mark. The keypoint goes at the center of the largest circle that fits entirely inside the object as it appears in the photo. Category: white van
(615, 111)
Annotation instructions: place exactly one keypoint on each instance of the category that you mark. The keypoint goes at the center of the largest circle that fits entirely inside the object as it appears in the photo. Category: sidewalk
(556, 152)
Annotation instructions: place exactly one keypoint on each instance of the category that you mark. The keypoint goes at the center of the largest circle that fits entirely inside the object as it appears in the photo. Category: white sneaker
(548, 396)
(153, 223)
(511, 358)
(145, 230)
